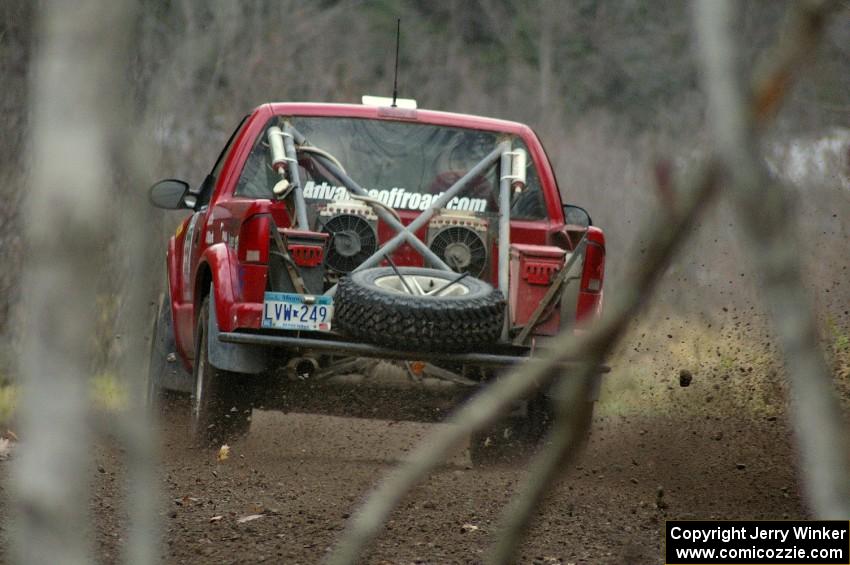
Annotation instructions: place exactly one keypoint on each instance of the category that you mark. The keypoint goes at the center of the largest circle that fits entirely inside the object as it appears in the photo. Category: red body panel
(209, 254)
(590, 296)
(533, 268)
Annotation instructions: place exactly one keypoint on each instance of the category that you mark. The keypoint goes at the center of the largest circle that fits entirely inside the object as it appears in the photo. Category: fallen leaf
(185, 500)
(5, 448)
(249, 518)
(223, 452)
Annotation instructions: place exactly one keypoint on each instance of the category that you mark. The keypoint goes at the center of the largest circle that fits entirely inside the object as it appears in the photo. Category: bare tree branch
(767, 221)
(485, 407)
(561, 447)
(796, 45)
(66, 222)
(775, 77)
(592, 348)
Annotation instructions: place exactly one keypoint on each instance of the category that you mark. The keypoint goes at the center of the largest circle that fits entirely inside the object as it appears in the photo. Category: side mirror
(576, 216)
(172, 194)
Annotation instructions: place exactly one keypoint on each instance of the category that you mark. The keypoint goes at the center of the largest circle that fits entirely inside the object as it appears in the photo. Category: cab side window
(206, 190)
(257, 178)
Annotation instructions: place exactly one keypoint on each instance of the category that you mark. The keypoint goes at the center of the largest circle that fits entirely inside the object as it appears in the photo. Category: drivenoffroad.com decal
(399, 198)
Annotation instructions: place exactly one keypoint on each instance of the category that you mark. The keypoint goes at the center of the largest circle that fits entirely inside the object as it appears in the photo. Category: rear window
(404, 165)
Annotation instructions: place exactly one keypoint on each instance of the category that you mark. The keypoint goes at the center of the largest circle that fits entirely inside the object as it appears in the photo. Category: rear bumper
(503, 356)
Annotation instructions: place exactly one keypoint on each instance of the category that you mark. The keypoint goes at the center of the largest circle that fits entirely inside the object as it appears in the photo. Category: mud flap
(235, 357)
(597, 386)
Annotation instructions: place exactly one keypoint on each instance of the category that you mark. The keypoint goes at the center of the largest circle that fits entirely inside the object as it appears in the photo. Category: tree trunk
(75, 126)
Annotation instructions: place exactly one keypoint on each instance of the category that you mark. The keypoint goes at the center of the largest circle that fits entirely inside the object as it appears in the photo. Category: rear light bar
(307, 248)
(307, 255)
(539, 273)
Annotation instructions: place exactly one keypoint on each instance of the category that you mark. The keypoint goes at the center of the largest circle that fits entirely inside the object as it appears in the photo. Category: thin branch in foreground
(664, 239)
(787, 57)
(767, 221)
(798, 42)
(484, 408)
(561, 446)
(493, 400)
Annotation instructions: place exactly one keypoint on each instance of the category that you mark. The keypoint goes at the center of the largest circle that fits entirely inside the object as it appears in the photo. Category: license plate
(286, 311)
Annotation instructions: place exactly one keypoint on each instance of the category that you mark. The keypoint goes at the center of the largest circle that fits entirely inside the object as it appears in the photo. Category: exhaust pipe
(302, 368)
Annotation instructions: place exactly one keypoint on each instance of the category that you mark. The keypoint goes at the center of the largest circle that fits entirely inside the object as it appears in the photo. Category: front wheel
(166, 374)
(221, 400)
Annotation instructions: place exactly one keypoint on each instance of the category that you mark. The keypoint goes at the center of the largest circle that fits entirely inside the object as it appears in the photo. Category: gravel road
(301, 476)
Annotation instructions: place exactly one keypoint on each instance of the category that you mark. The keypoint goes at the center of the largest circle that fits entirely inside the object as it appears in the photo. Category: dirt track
(305, 474)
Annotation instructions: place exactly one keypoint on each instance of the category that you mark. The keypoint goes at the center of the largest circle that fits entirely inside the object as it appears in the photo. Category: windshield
(404, 165)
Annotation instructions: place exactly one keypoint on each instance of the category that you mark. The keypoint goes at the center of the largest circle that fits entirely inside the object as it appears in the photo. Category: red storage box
(533, 268)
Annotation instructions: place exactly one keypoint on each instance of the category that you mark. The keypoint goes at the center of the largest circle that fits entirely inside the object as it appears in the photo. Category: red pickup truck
(375, 260)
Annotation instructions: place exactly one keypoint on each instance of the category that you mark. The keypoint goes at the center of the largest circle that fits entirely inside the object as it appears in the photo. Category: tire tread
(412, 323)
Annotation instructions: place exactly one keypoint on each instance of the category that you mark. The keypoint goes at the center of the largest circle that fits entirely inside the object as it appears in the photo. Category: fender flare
(174, 291)
(221, 264)
(171, 273)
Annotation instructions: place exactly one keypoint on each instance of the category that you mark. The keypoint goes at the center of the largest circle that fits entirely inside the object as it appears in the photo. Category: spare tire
(421, 311)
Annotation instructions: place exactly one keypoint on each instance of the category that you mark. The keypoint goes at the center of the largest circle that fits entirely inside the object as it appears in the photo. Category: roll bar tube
(408, 233)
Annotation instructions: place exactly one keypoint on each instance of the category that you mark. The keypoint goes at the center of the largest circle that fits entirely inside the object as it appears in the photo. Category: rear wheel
(221, 400)
(516, 437)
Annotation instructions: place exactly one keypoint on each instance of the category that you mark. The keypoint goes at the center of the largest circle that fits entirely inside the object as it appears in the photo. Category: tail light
(254, 239)
(592, 276)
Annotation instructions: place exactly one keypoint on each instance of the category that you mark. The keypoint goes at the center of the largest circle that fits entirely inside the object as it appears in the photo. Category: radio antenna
(395, 78)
